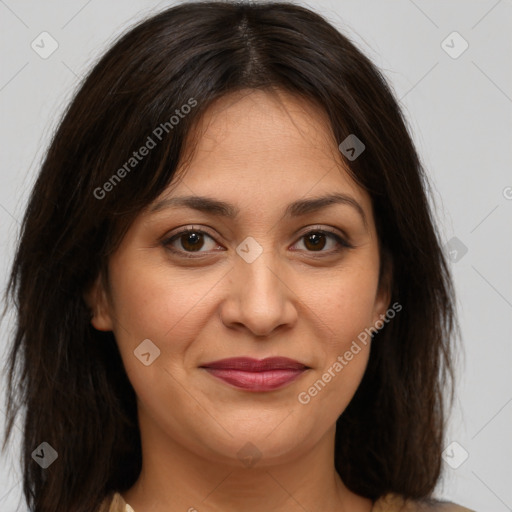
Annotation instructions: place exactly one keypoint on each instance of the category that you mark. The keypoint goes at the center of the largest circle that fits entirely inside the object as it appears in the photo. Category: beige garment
(388, 503)
(394, 503)
(115, 503)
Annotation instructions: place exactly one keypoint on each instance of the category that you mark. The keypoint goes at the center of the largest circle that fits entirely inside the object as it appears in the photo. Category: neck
(176, 479)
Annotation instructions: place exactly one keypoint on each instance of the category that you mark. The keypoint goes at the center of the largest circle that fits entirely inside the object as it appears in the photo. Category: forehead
(263, 128)
(257, 149)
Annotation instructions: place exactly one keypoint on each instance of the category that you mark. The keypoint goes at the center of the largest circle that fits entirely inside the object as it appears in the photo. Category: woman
(230, 292)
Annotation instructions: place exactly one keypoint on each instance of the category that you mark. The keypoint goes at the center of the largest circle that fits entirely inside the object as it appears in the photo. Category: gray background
(459, 110)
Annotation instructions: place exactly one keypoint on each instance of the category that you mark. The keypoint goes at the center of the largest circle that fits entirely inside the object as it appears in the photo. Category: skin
(259, 152)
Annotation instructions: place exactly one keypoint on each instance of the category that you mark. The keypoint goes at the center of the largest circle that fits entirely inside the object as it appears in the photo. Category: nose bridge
(261, 285)
(262, 301)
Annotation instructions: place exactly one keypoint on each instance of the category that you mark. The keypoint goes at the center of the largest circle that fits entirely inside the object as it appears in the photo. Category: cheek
(346, 304)
(151, 301)
(344, 353)
(345, 308)
(168, 308)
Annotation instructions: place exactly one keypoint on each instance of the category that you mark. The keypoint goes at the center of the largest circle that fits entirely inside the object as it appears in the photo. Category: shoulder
(395, 503)
(114, 502)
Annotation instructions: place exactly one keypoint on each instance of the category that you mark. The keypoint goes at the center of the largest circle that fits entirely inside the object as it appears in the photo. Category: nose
(258, 298)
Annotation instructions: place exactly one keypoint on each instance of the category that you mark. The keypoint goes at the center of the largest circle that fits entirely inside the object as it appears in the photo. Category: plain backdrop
(458, 102)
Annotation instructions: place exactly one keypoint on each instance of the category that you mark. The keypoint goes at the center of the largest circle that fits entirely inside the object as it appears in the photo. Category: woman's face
(258, 279)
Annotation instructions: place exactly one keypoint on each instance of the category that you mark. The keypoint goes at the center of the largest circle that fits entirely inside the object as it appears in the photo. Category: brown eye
(189, 241)
(192, 241)
(316, 240)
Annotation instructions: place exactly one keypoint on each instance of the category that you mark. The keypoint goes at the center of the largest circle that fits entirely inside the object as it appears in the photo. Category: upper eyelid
(335, 232)
(305, 230)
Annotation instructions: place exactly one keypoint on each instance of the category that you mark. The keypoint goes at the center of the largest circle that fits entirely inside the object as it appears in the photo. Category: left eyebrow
(228, 210)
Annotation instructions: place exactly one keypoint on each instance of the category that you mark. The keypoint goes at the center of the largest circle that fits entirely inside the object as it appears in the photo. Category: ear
(384, 292)
(96, 299)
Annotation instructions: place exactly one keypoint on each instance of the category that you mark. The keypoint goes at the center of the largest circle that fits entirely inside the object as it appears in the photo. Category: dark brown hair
(70, 377)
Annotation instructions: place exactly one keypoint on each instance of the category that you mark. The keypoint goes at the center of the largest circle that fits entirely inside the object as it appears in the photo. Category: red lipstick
(256, 375)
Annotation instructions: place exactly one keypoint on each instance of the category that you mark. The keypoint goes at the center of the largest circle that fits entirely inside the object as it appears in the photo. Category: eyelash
(340, 240)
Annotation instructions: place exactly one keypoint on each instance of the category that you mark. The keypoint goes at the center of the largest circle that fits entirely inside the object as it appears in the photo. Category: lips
(256, 375)
(248, 364)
